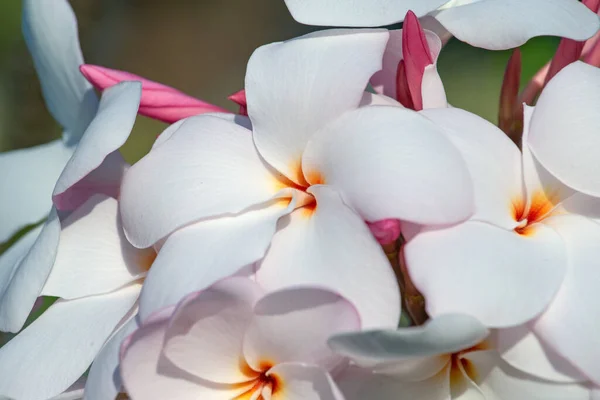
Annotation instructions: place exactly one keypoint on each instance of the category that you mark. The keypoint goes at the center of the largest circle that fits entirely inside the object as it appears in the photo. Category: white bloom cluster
(270, 254)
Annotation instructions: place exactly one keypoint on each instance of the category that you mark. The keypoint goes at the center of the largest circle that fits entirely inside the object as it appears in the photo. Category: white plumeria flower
(233, 341)
(491, 24)
(92, 268)
(450, 357)
(530, 250)
(67, 170)
(311, 151)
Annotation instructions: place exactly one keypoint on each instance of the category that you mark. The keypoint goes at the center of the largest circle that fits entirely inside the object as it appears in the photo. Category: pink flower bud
(240, 99)
(385, 231)
(417, 56)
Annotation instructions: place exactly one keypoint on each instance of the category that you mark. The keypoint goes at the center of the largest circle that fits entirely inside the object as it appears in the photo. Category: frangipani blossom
(452, 356)
(292, 195)
(491, 24)
(529, 253)
(232, 340)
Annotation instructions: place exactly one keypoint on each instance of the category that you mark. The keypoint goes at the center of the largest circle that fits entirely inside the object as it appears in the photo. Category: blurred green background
(201, 47)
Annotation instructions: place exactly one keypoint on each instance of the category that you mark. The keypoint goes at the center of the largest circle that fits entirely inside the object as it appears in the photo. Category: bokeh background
(201, 47)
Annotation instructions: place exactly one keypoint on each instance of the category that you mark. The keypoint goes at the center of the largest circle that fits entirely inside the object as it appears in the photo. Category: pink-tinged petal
(373, 99)
(496, 184)
(293, 325)
(564, 128)
(416, 55)
(158, 101)
(208, 167)
(50, 31)
(498, 380)
(26, 182)
(195, 257)
(104, 379)
(566, 325)
(356, 12)
(294, 88)
(239, 98)
(386, 231)
(108, 131)
(484, 23)
(359, 384)
(384, 81)
(568, 52)
(69, 334)
(414, 353)
(331, 247)
(498, 276)
(94, 256)
(206, 331)
(24, 268)
(147, 374)
(523, 350)
(389, 162)
(432, 89)
(304, 382)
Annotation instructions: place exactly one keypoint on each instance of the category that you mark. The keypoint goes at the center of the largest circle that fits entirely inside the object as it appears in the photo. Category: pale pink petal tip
(417, 56)
(385, 231)
(239, 98)
(158, 101)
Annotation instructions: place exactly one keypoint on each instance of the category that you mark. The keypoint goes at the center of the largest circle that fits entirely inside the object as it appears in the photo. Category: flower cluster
(273, 253)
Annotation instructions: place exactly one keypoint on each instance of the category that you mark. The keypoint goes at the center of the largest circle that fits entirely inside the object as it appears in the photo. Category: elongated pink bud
(402, 89)
(417, 56)
(568, 52)
(385, 231)
(509, 116)
(239, 98)
(158, 101)
(593, 5)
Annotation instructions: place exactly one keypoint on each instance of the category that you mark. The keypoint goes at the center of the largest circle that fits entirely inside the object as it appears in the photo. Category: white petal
(94, 256)
(564, 126)
(357, 12)
(497, 184)
(199, 255)
(26, 182)
(432, 89)
(149, 375)
(333, 248)
(498, 276)
(293, 325)
(498, 380)
(74, 392)
(567, 325)
(67, 336)
(304, 382)
(523, 350)
(23, 270)
(104, 379)
(384, 81)
(206, 331)
(504, 24)
(50, 31)
(208, 167)
(389, 162)
(359, 384)
(108, 131)
(414, 353)
(296, 87)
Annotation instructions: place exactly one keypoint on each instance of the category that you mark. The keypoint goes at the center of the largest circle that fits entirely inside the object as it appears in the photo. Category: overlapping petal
(293, 325)
(356, 12)
(208, 167)
(331, 247)
(304, 382)
(396, 156)
(108, 131)
(24, 269)
(76, 327)
(94, 256)
(498, 276)
(564, 126)
(206, 332)
(26, 182)
(504, 24)
(296, 87)
(195, 257)
(497, 183)
(50, 30)
(567, 325)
